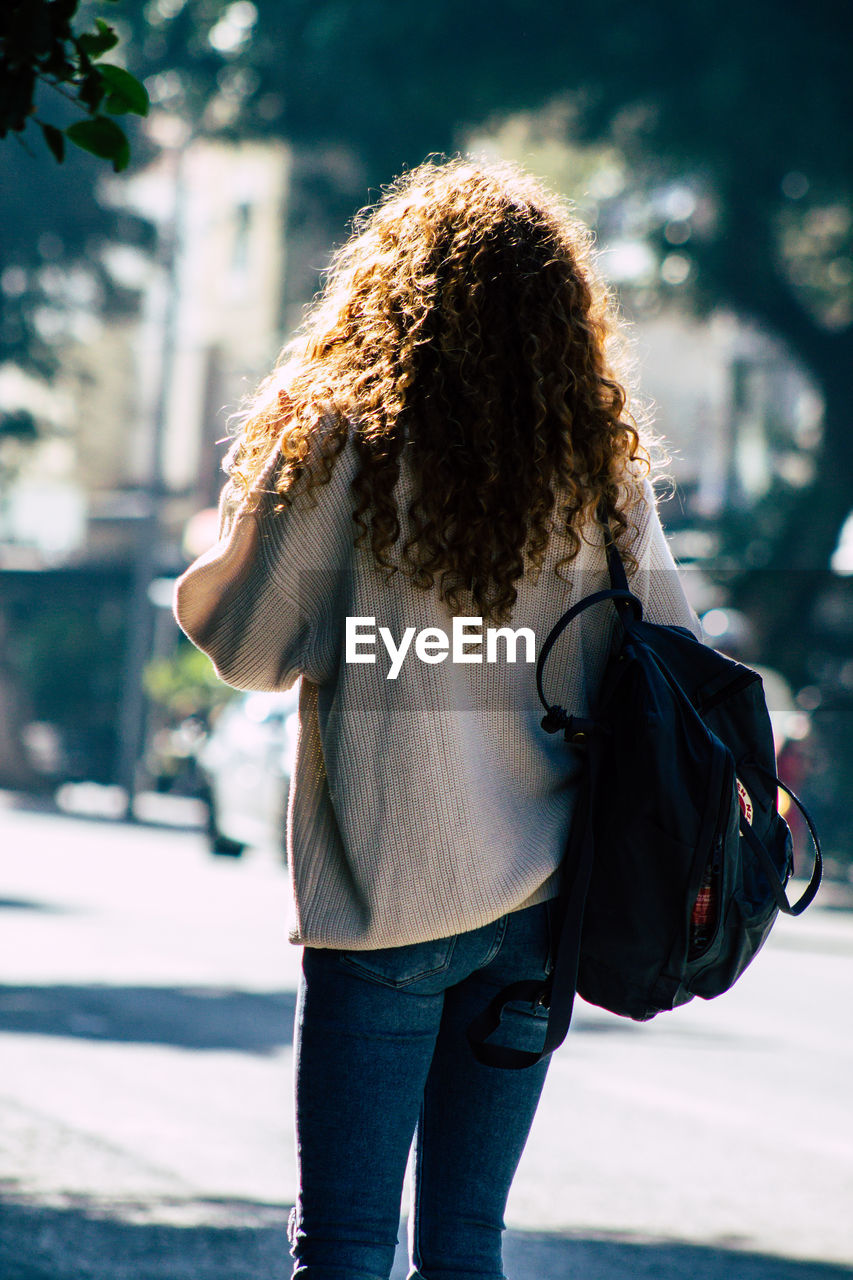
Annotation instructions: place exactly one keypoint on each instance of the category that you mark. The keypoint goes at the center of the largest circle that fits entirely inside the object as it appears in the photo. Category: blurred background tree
(746, 107)
(750, 102)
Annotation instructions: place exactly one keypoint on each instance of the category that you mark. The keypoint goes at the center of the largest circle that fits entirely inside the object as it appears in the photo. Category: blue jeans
(382, 1054)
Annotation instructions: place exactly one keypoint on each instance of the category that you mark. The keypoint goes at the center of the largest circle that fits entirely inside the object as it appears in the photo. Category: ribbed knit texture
(430, 804)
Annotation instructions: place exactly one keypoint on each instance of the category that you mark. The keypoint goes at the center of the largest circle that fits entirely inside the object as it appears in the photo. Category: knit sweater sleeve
(258, 603)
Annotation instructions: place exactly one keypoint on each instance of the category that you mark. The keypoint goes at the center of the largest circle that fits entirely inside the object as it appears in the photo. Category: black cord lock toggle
(576, 730)
(555, 718)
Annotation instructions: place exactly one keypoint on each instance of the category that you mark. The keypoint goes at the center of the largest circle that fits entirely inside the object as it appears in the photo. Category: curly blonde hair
(463, 323)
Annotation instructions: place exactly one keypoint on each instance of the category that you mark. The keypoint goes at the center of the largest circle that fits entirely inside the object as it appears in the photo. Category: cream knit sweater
(433, 802)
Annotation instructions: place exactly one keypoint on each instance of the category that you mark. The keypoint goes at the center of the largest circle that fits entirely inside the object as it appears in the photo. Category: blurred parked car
(247, 761)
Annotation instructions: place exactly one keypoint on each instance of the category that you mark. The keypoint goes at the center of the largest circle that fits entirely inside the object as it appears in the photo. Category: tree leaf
(102, 137)
(124, 91)
(92, 89)
(94, 43)
(16, 99)
(55, 139)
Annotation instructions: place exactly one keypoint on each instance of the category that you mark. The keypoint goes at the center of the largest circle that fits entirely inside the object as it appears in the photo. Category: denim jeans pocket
(527, 953)
(402, 966)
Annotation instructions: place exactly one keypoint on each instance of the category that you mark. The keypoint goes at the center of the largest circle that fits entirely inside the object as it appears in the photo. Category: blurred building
(135, 426)
(142, 402)
(735, 410)
(227, 290)
(132, 435)
(211, 321)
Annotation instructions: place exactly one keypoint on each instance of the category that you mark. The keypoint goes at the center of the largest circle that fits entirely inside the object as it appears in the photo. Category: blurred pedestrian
(415, 494)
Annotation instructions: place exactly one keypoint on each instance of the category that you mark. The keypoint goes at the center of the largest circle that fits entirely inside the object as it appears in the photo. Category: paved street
(146, 1002)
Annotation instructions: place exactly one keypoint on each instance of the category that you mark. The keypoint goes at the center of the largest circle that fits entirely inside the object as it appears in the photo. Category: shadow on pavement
(30, 904)
(187, 1018)
(182, 1017)
(86, 1243)
(578, 1257)
(90, 1243)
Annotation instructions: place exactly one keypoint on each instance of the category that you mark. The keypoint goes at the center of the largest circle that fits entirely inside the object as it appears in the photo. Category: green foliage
(54, 222)
(102, 137)
(103, 39)
(38, 46)
(185, 683)
(55, 140)
(17, 425)
(124, 93)
(752, 105)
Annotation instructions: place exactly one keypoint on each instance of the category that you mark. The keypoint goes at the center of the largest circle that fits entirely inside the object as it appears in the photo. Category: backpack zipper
(743, 681)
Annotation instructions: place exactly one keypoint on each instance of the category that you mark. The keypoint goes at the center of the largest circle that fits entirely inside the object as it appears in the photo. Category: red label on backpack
(745, 802)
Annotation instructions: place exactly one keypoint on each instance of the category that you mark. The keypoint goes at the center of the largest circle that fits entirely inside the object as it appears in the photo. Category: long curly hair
(464, 326)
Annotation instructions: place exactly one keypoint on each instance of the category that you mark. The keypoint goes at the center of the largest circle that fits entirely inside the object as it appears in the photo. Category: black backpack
(678, 857)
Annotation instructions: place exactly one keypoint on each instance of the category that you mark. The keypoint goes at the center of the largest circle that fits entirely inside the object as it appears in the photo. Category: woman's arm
(259, 602)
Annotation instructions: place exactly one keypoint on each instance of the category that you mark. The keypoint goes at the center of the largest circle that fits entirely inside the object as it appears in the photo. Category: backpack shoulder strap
(615, 567)
(557, 994)
(615, 594)
(769, 868)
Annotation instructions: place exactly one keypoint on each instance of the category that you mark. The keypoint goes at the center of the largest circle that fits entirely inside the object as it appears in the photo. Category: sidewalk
(38, 1243)
(146, 1005)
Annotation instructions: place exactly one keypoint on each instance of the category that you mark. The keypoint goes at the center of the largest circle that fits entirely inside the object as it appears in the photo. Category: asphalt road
(146, 1002)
